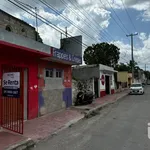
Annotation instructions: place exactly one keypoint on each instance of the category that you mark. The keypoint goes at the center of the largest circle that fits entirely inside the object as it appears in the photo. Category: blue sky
(96, 18)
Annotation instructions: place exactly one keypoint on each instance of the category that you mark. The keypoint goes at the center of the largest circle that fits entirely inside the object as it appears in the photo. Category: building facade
(101, 76)
(35, 79)
(124, 78)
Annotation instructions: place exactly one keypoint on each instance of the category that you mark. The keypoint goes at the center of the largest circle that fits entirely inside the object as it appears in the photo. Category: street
(122, 126)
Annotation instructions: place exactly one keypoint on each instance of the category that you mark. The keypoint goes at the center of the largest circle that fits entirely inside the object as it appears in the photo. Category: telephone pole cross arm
(132, 58)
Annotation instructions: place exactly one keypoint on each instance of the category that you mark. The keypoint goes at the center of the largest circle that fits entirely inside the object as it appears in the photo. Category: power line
(67, 19)
(128, 15)
(132, 35)
(32, 13)
(117, 16)
(89, 25)
(47, 22)
(90, 18)
(114, 19)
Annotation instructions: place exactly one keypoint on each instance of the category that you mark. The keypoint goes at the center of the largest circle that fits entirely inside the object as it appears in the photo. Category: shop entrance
(13, 91)
(107, 85)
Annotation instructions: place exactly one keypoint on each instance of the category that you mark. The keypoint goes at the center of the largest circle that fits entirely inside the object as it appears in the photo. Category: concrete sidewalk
(49, 125)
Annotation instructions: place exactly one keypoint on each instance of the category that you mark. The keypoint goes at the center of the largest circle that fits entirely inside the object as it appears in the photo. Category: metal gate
(12, 108)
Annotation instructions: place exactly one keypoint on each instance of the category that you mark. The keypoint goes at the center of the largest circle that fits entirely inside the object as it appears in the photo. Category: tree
(122, 67)
(102, 53)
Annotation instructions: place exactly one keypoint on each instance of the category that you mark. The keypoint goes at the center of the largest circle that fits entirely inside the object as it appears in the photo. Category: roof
(84, 66)
(23, 22)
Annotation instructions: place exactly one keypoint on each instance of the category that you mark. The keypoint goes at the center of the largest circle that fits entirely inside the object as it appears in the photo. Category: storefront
(55, 84)
(31, 76)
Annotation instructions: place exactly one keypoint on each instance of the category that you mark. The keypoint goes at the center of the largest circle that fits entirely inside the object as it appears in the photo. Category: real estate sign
(11, 84)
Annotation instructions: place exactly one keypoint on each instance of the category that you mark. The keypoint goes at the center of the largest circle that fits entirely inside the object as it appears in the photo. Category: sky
(96, 20)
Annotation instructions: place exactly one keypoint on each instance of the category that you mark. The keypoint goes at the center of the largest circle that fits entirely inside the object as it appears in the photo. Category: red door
(12, 98)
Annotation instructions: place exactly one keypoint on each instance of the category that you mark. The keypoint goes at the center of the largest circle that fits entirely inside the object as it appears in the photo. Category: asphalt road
(122, 126)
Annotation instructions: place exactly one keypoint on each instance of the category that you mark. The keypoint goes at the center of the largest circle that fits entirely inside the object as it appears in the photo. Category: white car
(136, 88)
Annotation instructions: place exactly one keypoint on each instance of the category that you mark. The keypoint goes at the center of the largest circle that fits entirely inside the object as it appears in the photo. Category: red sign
(103, 79)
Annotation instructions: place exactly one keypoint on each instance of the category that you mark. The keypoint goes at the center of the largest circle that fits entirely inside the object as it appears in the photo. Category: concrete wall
(23, 41)
(122, 76)
(85, 73)
(17, 26)
(112, 82)
(54, 93)
(72, 45)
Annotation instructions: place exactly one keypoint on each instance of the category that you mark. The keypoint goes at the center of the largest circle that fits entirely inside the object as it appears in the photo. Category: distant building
(124, 78)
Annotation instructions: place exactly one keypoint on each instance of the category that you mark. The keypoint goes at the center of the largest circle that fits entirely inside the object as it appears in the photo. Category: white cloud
(141, 55)
(142, 36)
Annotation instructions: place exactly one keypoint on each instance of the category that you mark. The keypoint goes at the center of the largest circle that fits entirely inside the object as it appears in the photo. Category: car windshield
(136, 85)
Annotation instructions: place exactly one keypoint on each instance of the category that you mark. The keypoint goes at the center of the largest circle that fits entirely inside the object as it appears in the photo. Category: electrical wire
(44, 20)
(67, 19)
(86, 17)
(47, 22)
(128, 15)
(114, 19)
(91, 26)
(96, 24)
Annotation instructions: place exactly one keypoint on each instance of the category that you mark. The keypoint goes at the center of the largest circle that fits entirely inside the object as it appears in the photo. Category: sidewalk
(49, 125)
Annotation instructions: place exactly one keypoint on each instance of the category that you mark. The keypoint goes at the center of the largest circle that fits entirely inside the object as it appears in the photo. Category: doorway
(96, 88)
(12, 98)
(107, 84)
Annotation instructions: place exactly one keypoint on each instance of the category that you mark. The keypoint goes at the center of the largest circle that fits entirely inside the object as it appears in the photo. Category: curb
(23, 145)
(96, 110)
(67, 125)
(29, 143)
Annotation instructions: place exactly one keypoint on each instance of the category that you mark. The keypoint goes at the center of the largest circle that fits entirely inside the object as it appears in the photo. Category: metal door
(12, 108)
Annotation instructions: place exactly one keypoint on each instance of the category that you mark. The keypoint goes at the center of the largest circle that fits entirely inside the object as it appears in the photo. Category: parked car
(136, 88)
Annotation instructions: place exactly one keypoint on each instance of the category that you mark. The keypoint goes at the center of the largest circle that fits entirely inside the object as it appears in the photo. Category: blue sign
(60, 54)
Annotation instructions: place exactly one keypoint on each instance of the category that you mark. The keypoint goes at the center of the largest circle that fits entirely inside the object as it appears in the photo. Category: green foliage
(102, 53)
(147, 74)
(122, 67)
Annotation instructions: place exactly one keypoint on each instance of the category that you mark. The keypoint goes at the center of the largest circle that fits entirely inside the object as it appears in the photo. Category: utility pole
(145, 67)
(66, 32)
(132, 58)
(36, 23)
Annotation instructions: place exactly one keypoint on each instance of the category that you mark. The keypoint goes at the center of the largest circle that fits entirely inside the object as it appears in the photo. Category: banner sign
(11, 84)
(60, 54)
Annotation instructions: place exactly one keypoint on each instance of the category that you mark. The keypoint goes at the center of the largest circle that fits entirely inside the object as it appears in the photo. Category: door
(107, 85)
(96, 87)
(12, 98)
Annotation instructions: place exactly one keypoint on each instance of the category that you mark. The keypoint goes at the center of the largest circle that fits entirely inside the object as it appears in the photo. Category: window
(58, 73)
(49, 73)
(23, 30)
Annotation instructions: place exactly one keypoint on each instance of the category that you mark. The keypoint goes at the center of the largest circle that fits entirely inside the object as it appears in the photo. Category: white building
(101, 75)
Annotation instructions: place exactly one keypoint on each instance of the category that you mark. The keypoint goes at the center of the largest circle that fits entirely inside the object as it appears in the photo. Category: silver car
(136, 88)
